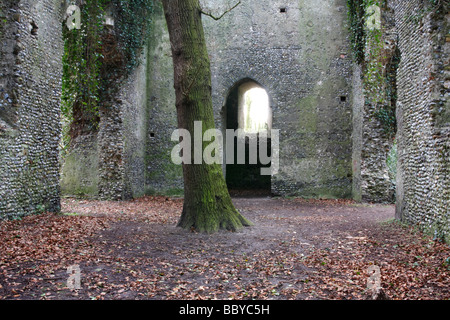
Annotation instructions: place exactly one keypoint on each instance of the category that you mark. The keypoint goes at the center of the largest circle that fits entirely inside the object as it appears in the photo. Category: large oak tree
(207, 203)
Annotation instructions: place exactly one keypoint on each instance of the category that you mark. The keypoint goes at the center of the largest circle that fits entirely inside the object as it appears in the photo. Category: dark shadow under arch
(244, 179)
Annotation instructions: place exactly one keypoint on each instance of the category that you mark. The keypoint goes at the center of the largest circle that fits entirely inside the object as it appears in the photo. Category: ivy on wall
(379, 66)
(81, 65)
(133, 26)
(97, 55)
(379, 70)
(356, 17)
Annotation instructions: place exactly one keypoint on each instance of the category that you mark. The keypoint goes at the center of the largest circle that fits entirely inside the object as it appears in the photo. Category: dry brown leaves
(36, 251)
(33, 248)
(413, 266)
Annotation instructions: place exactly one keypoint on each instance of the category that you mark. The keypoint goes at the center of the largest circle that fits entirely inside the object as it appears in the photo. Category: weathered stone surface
(30, 88)
(330, 147)
(423, 187)
(162, 176)
(80, 167)
(372, 142)
(301, 57)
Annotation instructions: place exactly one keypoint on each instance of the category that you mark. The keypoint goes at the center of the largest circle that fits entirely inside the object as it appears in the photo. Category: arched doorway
(248, 108)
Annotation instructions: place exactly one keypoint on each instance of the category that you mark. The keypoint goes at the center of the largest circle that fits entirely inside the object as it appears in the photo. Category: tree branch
(209, 14)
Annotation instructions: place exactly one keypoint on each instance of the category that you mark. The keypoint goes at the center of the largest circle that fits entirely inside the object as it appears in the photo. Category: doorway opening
(248, 109)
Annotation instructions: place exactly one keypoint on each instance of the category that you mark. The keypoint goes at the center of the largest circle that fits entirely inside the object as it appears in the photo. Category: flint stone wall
(30, 89)
(423, 113)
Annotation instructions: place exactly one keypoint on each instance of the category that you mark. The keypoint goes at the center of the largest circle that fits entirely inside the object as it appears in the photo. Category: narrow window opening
(152, 134)
(283, 10)
(343, 98)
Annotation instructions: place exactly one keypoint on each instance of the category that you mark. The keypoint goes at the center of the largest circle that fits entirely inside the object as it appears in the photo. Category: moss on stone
(308, 114)
(80, 176)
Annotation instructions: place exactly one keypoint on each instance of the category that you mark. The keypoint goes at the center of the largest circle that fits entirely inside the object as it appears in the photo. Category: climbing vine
(133, 26)
(366, 39)
(386, 112)
(97, 55)
(379, 70)
(379, 66)
(82, 61)
(356, 17)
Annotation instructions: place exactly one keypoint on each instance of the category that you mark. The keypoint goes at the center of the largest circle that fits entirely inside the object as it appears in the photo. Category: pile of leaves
(150, 209)
(130, 250)
(413, 266)
(31, 250)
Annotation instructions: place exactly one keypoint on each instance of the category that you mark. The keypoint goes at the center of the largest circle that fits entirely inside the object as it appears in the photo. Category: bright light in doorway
(255, 108)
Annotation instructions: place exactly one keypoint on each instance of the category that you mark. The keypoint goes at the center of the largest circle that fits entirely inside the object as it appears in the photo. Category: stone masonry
(30, 89)
(423, 114)
(372, 180)
(298, 51)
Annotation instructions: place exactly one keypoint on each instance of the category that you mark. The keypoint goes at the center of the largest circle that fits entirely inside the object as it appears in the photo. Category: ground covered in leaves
(297, 249)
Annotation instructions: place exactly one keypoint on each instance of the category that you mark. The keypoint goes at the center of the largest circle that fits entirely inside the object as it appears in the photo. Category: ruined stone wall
(423, 114)
(30, 89)
(133, 97)
(298, 51)
(372, 140)
(108, 162)
(162, 176)
(80, 167)
(122, 138)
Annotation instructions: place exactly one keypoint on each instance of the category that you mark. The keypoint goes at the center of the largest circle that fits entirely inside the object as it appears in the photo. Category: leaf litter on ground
(123, 254)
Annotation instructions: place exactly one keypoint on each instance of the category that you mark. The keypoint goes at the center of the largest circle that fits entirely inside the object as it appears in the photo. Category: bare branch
(209, 14)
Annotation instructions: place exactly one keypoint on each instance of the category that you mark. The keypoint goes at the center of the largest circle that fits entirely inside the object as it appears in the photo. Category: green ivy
(367, 46)
(89, 67)
(82, 60)
(356, 18)
(133, 25)
(386, 113)
(368, 51)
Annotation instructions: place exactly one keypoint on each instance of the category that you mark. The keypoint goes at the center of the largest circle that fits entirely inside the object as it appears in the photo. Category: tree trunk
(207, 203)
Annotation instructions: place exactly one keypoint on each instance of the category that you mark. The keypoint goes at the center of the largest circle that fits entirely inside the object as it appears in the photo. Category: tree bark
(207, 203)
